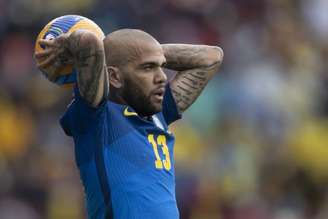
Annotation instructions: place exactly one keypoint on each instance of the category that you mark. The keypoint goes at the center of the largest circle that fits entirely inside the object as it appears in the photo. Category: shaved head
(127, 45)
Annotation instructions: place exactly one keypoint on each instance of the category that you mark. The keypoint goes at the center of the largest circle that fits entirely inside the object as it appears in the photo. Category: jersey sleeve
(80, 116)
(170, 109)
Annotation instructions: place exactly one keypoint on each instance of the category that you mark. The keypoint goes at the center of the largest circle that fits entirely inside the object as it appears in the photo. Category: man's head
(134, 62)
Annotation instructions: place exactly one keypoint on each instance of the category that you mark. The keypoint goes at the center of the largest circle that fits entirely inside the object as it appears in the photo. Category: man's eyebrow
(150, 64)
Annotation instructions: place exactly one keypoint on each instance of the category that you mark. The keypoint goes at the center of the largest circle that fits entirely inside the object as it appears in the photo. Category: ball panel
(65, 70)
(87, 24)
(37, 47)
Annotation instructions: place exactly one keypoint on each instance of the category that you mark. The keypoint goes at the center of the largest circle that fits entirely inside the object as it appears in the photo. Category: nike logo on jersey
(128, 113)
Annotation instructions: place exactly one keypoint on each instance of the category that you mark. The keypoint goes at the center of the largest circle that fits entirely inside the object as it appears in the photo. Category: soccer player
(120, 115)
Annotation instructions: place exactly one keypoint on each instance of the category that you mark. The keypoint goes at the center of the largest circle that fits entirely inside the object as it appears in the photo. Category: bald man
(120, 115)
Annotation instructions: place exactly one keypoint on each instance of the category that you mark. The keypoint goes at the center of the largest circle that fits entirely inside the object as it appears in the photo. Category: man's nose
(160, 76)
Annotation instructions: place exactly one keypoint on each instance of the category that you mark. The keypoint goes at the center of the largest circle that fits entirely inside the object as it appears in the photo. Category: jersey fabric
(126, 162)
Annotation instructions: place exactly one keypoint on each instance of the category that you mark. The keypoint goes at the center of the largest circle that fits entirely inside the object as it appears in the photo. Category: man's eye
(147, 68)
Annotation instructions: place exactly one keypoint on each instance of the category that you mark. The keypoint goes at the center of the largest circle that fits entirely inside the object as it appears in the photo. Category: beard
(140, 102)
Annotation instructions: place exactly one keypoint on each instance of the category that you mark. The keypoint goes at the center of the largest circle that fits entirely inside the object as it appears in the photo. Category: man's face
(144, 80)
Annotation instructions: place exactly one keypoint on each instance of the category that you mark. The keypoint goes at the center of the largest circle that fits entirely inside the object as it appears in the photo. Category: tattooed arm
(86, 51)
(196, 65)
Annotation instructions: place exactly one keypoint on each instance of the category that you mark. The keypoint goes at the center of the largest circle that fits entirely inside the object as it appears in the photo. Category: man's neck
(116, 99)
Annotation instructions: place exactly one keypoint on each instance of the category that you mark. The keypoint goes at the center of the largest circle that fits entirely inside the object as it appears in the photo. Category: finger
(43, 53)
(45, 43)
(50, 60)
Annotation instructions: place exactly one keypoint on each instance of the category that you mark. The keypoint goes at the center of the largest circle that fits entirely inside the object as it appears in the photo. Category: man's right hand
(55, 55)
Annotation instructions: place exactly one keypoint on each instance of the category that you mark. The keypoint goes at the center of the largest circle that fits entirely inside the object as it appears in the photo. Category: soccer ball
(65, 75)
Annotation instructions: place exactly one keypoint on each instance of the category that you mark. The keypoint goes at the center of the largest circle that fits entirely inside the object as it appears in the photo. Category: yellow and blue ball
(65, 75)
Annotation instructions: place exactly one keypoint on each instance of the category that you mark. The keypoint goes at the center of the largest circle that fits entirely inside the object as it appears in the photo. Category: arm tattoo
(89, 61)
(187, 86)
(196, 65)
(182, 57)
(180, 98)
(177, 61)
(89, 66)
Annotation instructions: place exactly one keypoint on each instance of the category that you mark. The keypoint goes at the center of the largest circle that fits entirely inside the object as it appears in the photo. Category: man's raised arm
(196, 65)
(86, 51)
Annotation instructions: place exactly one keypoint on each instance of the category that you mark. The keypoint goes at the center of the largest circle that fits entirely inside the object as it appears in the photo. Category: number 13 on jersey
(161, 142)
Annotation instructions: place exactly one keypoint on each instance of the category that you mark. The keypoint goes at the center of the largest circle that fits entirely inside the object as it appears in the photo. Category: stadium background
(254, 146)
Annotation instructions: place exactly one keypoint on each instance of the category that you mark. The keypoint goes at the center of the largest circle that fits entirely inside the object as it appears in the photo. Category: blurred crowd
(253, 146)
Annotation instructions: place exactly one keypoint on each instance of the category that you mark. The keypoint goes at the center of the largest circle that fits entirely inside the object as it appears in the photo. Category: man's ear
(115, 77)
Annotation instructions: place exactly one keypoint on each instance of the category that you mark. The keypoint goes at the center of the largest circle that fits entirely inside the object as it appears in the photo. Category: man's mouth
(159, 94)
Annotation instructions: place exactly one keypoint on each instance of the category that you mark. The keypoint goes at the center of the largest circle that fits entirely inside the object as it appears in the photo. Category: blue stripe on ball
(62, 25)
(66, 22)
